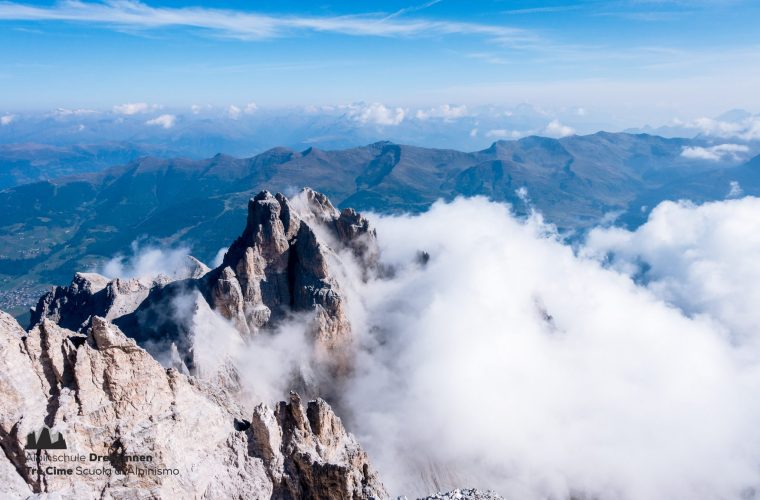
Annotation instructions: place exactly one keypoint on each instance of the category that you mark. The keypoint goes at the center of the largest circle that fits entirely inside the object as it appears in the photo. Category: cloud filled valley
(491, 353)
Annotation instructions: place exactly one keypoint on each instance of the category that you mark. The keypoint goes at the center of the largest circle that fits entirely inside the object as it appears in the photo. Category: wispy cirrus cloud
(252, 26)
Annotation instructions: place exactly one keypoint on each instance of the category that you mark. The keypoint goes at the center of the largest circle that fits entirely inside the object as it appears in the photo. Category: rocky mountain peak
(83, 368)
(281, 264)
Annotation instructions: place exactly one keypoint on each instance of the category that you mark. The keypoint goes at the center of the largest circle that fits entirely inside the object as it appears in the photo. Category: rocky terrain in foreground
(136, 429)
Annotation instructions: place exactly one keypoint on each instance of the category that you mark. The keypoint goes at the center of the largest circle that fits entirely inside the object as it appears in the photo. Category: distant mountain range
(22, 163)
(50, 229)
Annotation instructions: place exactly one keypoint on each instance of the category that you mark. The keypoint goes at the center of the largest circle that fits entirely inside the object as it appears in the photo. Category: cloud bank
(510, 362)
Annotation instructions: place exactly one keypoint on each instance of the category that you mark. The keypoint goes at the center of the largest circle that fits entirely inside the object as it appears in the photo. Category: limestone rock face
(108, 397)
(91, 294)
(309, 454)
(77, 374)
(281, 264)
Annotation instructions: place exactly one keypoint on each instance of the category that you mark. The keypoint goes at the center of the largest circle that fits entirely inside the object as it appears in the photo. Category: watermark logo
(45, 439)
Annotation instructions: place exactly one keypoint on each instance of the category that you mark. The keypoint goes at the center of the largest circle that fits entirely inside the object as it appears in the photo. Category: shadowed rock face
(109, 397)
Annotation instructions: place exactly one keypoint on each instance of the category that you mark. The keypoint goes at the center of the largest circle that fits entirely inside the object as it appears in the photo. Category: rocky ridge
(76, 372)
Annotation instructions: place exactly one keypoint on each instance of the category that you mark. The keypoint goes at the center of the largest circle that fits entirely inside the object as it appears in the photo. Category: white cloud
(747, 128)
(445, 111)
(702, 259)
(6, 119)
(73, 112)
(508, 362)
(198, 108)
(147, 262)
(376, 113)
(132, 108)
(233, 112)
(165, 121)
(714, 153)
(556, 129)
(249, 25)
(734, 190)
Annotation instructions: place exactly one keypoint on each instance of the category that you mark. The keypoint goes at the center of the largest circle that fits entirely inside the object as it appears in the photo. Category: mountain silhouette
(44, 441)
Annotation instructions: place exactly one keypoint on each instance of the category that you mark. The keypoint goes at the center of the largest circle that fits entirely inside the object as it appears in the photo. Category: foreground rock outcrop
(134, 429)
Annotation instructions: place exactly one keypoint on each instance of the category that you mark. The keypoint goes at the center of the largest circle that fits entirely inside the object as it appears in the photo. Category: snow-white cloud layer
(510, 362)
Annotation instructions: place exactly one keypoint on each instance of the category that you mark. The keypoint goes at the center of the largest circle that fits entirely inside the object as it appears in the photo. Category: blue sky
(643, 58)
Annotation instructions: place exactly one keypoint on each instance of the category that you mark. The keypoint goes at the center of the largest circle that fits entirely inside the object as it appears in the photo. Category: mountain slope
(50, 229)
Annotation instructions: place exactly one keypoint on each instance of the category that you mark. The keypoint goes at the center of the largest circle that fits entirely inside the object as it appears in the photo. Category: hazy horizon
(627, 62)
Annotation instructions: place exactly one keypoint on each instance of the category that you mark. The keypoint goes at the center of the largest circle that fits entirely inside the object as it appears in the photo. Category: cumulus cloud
(6, 119)
(445, 111)
(557, 129)
(376, 114)
(132, 108)
(147, 262)
(715, 153)
(165, 121)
